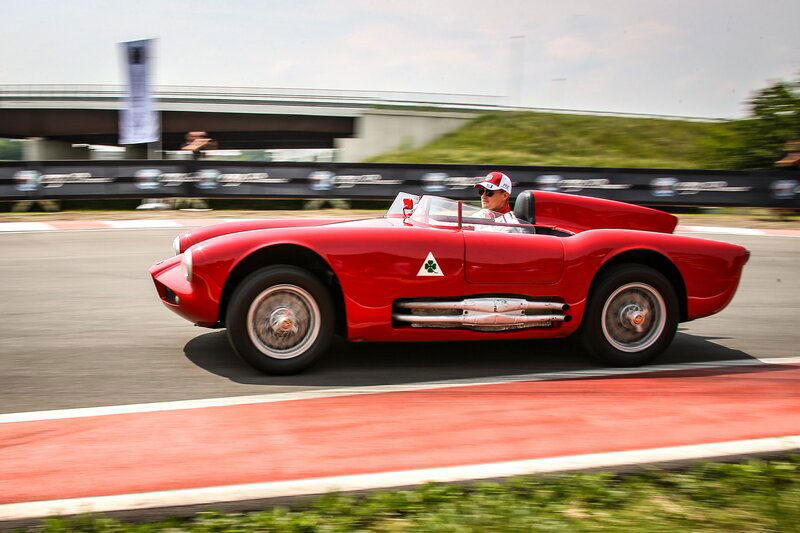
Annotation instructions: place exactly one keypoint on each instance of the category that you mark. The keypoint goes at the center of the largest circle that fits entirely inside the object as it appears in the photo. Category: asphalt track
(82, 327)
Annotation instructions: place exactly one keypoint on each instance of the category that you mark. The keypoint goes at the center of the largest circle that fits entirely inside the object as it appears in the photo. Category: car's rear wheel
(280, 319)
(631, 316)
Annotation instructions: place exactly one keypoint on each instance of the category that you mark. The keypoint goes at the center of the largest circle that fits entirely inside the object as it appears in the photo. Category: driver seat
(525, 208)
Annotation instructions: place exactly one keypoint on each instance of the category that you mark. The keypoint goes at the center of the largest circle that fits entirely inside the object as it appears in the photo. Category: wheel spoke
(633, 318)
(283, 321)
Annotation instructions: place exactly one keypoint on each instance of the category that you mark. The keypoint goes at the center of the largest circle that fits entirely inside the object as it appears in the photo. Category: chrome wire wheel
(283, 321)
(634, 317)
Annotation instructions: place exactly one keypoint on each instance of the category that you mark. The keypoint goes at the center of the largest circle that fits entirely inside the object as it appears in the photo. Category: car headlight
(187, 263)
(176, 245)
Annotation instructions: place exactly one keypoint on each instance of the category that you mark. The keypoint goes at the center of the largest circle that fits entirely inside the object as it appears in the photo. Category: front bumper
(189, 300)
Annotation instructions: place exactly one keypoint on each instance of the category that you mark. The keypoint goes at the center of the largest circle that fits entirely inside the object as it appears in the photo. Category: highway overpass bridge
(360, 124)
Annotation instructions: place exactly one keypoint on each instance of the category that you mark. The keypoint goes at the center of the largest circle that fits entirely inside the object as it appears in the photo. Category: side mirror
(408, 207)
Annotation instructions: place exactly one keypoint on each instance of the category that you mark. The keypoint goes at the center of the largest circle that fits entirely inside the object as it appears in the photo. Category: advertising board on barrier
(322, 180)
(31, 180)
(206, 179)
(434, 182)
(672, 186)
(247, 179)
(556, 183)
(785, 189)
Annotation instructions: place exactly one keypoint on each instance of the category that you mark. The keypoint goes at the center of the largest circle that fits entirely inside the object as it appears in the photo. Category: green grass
(521, 138)
(753, 496)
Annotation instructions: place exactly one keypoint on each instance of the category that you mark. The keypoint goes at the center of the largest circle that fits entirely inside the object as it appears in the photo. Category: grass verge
(525, 138)
(756, 495)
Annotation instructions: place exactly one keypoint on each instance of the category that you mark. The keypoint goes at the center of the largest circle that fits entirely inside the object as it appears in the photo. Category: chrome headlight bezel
(176, 245)
(186, 261)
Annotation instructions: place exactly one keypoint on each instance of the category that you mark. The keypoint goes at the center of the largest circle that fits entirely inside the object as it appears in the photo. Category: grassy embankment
(753, 496)
(522, 138)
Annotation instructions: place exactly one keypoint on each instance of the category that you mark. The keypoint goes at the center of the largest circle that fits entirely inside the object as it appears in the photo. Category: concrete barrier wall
(243, 179)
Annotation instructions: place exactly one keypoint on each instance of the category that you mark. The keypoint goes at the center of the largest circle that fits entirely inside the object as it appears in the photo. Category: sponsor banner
(235, 179)
(138, 121)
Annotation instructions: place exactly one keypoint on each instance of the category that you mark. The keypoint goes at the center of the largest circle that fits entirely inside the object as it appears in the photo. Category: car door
(501, 258)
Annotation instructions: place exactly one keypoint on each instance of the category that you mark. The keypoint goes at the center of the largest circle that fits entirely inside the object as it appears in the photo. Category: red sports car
(434, 269)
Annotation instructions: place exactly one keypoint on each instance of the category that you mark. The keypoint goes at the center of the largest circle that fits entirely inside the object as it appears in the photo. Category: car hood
(197, 235)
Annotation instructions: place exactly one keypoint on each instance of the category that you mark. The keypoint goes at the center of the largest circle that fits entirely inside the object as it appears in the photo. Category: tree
(758, 140)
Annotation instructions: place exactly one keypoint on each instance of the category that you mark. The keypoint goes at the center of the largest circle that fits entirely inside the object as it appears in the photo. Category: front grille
(170, 296)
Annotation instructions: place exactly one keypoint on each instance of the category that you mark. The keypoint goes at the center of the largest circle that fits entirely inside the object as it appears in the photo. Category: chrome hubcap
(634, 316)
(283, 321)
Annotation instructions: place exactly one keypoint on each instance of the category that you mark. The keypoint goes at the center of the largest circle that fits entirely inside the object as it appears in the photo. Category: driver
(495, 190)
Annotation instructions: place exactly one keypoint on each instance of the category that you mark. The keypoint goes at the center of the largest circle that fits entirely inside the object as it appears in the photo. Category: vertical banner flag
(138, 122)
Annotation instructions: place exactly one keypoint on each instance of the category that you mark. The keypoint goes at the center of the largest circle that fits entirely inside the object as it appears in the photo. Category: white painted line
(130, 224)
(721, 230)
(25, 226)
(179, 405)
(16, 227)
(284, 489)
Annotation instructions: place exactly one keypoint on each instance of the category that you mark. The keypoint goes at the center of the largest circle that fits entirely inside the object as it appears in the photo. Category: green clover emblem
(430, 266)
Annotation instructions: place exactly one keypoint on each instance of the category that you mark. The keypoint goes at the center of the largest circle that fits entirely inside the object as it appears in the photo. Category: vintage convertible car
(434, 269)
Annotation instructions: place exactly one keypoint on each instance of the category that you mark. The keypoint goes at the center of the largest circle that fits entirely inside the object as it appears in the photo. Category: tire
(631, 316)
(280, 319)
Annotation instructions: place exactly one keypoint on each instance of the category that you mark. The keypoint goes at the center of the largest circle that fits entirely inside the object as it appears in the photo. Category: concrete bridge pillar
(39, 149)
(382, 130)
(136, 151)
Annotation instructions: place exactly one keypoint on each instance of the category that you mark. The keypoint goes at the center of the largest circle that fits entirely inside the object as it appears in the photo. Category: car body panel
(379, 261)
(226, 228)
(581, 213)
(513, 258)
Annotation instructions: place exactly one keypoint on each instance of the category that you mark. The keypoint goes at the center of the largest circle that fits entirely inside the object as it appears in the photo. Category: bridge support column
(136, 151)
(383, 130)
(39, 149)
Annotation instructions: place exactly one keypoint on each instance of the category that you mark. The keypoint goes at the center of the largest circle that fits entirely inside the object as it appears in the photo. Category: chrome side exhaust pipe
(481, 319)
(483, 314)
(488, 305)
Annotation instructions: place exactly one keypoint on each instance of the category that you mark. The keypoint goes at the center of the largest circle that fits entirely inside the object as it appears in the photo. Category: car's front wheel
(280, 319)
(631, 316)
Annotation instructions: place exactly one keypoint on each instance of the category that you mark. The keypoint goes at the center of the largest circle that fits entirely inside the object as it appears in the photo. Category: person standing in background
(197, 142)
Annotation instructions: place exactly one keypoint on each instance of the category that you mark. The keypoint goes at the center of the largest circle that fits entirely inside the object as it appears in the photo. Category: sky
(700, 58)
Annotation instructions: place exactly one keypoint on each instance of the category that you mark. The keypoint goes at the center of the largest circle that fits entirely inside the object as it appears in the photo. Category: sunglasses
(487, 192)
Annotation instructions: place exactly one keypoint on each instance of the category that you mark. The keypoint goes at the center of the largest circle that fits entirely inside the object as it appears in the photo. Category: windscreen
(443, 212)
(436, 211)
(396, 210)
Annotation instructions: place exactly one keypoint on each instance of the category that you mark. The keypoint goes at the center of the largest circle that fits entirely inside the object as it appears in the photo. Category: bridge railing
(301, 96)
(255, 94)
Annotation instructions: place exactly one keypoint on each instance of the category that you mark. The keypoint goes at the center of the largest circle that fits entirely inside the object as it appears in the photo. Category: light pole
(516, 70)
(558, 91)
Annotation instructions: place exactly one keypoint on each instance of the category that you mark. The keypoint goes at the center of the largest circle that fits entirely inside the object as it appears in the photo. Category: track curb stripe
(178, 405)
(306, 487)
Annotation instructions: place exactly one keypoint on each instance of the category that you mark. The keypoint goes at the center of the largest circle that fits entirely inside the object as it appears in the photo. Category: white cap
(495, 181)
